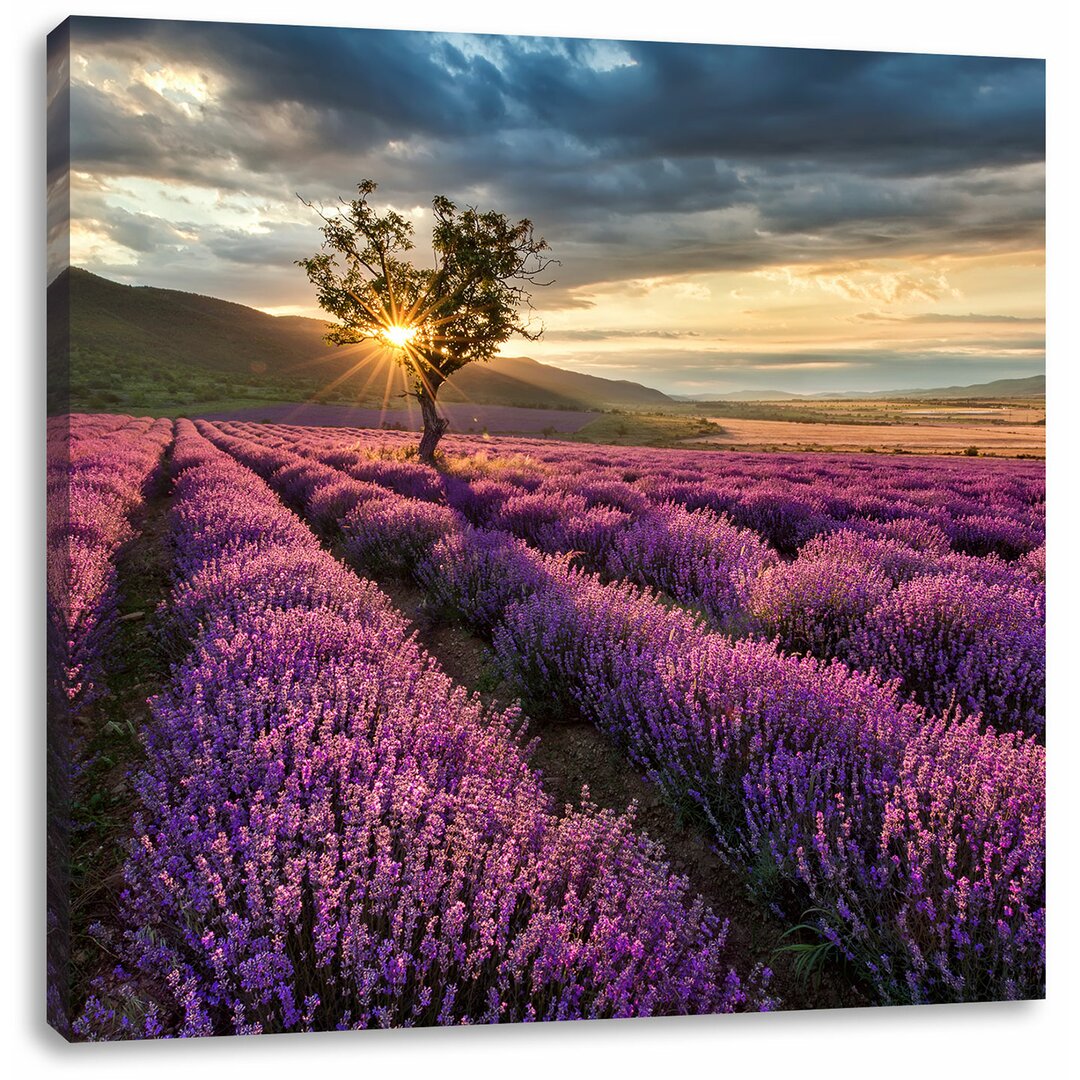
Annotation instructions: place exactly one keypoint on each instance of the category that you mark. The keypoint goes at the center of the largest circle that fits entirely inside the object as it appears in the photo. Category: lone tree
(435, 320)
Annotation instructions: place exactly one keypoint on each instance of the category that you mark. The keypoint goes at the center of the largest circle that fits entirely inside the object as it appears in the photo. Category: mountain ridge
(121, 334)
(143, 346)
(1025, 386)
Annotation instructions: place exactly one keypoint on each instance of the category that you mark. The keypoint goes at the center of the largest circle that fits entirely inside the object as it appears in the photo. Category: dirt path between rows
(574, 754)
(110, 735)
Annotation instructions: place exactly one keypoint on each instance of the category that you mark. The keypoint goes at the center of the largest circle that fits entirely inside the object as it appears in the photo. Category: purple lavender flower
(331, 834)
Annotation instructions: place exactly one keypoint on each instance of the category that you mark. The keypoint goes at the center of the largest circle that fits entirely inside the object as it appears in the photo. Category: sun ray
(339, 379)
(391, 370)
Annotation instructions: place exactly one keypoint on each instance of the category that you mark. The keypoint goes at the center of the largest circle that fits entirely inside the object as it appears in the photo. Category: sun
(399, 336)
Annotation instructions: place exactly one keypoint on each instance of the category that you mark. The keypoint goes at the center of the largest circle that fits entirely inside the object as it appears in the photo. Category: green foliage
(810, 958)
(643, 429)
(458, 311)
(488, 680)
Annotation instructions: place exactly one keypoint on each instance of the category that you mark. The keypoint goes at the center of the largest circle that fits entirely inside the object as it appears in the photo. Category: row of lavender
(982, 506)
(98, 469)
(331, 834)
(918, 842)
(959, 630)
(787, 499)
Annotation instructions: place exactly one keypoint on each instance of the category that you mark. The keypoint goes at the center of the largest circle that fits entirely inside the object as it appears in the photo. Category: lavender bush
(98, 471)
(331, 834)
(916, 838)
(959, 643)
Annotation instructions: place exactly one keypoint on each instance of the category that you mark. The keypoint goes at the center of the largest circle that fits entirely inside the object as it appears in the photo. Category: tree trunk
(434, 425)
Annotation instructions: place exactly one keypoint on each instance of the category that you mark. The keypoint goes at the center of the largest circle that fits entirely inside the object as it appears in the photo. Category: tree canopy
(474, 296)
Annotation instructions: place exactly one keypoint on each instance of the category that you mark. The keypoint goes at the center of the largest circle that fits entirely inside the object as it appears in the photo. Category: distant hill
(144, 346)
(743, 395)
(186, 328)
(513, 376)
(140, 347)
(1031, 386)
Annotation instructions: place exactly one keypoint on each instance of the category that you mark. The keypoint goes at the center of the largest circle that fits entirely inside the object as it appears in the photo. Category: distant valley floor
(926, 437)
(1000, 429)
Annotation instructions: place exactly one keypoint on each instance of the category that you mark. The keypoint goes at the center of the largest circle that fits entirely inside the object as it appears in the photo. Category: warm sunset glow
(758, 255)
(399, 336)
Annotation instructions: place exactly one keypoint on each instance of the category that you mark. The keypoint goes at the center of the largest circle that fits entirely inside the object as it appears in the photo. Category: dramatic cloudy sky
(725, 217)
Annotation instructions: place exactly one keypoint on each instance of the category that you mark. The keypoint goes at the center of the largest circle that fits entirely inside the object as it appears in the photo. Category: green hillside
(133, 348)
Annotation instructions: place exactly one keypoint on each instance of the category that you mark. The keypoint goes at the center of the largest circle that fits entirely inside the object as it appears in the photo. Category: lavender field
(311, 699)
(475, 419)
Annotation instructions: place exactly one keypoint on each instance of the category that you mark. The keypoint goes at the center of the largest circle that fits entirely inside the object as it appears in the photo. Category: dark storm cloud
(57, 153)
(280, 246)
(142, 233)
(687, 100)
(634, 159)
(894, 114)
(382, 83)
(58, 99)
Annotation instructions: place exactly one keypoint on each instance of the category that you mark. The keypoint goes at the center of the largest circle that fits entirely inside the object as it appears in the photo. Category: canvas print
(539, 529)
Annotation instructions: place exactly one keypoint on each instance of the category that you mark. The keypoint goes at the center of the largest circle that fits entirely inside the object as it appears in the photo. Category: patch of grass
(812, 955)
(105, 379)
(798, 413)
(489, 680)
(409, 452)
(644, 429)
(488, 464)
(764, 878)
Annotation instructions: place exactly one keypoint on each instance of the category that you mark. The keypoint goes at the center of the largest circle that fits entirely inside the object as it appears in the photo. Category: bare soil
(573, 754)
(111, 737)
(927, 436)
